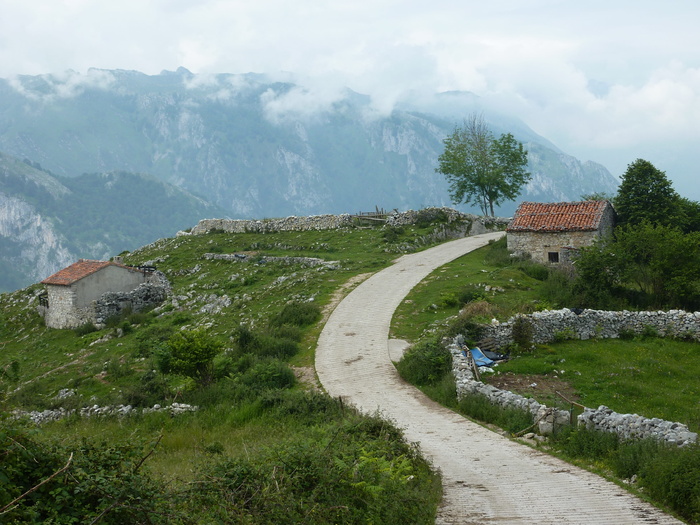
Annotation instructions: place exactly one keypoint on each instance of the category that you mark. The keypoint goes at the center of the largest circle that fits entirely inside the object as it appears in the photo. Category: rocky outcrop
(38, 249)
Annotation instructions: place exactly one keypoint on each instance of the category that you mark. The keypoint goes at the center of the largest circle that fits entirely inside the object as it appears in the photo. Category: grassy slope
(651, 377)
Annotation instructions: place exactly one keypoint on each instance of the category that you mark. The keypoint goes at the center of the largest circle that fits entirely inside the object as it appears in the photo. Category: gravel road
(487, 478)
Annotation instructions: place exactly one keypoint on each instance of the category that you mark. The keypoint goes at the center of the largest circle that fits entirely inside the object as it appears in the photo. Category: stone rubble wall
(332, 222)
(633, 426)
(548, 420)
(150, 293)
(553, 325)
(311, 262)
(292, 223)
(45, 416)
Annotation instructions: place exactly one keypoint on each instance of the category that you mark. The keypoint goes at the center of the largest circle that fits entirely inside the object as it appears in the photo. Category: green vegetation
(481, 169)
(261, 448)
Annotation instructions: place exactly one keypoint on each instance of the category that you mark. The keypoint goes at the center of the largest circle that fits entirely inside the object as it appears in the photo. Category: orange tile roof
(558, 216)
(76, 271)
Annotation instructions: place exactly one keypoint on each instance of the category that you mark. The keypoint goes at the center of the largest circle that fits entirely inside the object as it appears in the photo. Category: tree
(481, 169)
(646, 194)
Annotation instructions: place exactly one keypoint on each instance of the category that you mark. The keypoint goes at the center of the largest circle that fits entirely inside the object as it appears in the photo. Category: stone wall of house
(63, 312)
(554, 325)
(540, 244)
(548, 419)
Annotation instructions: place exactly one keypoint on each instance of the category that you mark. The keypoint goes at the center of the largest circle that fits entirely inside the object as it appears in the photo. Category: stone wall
(540, 244)
(548, 419)
(314, 222)
(475, 223)
(111, 304)
(554, 325)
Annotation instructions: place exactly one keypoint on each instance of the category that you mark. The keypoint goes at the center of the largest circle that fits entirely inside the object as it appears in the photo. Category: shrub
(522, 333)
(463, 325)
(297, 314)
(269, 374)
(192, 353)
(85, 329)
(425, 363)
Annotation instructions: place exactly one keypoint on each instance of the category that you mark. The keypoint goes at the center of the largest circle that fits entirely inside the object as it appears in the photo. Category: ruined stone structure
(551, 232)
(74, 293)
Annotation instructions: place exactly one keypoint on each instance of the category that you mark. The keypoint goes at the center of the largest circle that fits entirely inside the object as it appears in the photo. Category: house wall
(540, 244)
(108, 279)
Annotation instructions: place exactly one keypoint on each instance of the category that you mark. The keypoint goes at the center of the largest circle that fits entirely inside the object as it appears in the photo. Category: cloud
(48, 88)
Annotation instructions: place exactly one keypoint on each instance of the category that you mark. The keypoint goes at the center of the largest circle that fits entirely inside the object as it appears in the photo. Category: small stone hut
(73, 291)
(550, 232)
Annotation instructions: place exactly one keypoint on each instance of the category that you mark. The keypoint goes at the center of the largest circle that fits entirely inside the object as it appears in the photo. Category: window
(553, 257)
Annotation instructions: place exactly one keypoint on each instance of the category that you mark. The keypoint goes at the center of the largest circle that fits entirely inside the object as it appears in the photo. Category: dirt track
(487, 478)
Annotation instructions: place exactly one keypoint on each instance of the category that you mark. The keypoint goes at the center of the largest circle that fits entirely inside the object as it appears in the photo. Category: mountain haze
(259, 148)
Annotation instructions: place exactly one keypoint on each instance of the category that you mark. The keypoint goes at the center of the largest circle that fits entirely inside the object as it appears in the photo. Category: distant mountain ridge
(259, 148)
(47, 222)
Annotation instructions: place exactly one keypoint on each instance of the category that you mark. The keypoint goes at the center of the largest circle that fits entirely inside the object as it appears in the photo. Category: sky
(608, 81)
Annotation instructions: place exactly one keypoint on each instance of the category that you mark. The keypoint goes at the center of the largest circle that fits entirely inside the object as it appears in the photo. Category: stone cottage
(550, 232)
(74, 292)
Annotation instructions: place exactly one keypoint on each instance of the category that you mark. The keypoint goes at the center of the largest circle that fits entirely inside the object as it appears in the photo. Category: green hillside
(264, 445)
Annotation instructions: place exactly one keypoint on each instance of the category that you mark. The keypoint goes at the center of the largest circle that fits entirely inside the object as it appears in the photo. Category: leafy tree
(192, 354)
(645, 193)
(481, 169)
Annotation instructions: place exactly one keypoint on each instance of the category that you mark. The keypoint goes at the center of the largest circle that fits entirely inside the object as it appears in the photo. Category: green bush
(103, 483)
(297, 314)
(269, 374)
(85, 329)
(425, 363)
(522, 333)
(672, 477)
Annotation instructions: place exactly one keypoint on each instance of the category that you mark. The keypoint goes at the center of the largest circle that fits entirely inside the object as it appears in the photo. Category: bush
(522, 333)
(425, 363)
(297, 314)
(672, 477)
(85, 329)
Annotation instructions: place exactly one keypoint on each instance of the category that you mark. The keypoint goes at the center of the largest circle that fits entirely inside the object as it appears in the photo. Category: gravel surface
(487, 478)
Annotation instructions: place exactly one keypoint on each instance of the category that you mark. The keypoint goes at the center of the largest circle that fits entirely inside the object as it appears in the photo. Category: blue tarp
(479, 358)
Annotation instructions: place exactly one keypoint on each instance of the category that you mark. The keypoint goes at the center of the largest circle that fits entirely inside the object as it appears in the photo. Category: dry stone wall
(552, 325)
(475, 224)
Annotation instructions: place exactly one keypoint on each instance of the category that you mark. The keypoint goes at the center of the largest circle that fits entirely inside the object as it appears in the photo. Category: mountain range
(243, 146)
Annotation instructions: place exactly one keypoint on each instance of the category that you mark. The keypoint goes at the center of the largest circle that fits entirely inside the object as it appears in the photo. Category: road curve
(487, 478)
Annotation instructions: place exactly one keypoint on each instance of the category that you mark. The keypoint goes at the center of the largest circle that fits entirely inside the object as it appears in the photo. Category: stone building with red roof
(73, 291)
(548, 232)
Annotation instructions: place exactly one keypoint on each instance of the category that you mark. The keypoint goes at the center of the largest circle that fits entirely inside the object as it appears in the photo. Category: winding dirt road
(487, 478)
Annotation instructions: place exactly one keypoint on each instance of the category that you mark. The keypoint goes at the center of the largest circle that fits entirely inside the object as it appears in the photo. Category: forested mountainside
(47, 221)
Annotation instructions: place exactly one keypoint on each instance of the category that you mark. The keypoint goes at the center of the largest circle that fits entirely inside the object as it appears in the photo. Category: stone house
(74, 292)
(550, 232)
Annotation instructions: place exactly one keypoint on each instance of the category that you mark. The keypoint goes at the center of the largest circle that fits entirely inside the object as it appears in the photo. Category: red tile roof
(77, 271)
(558, 216)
